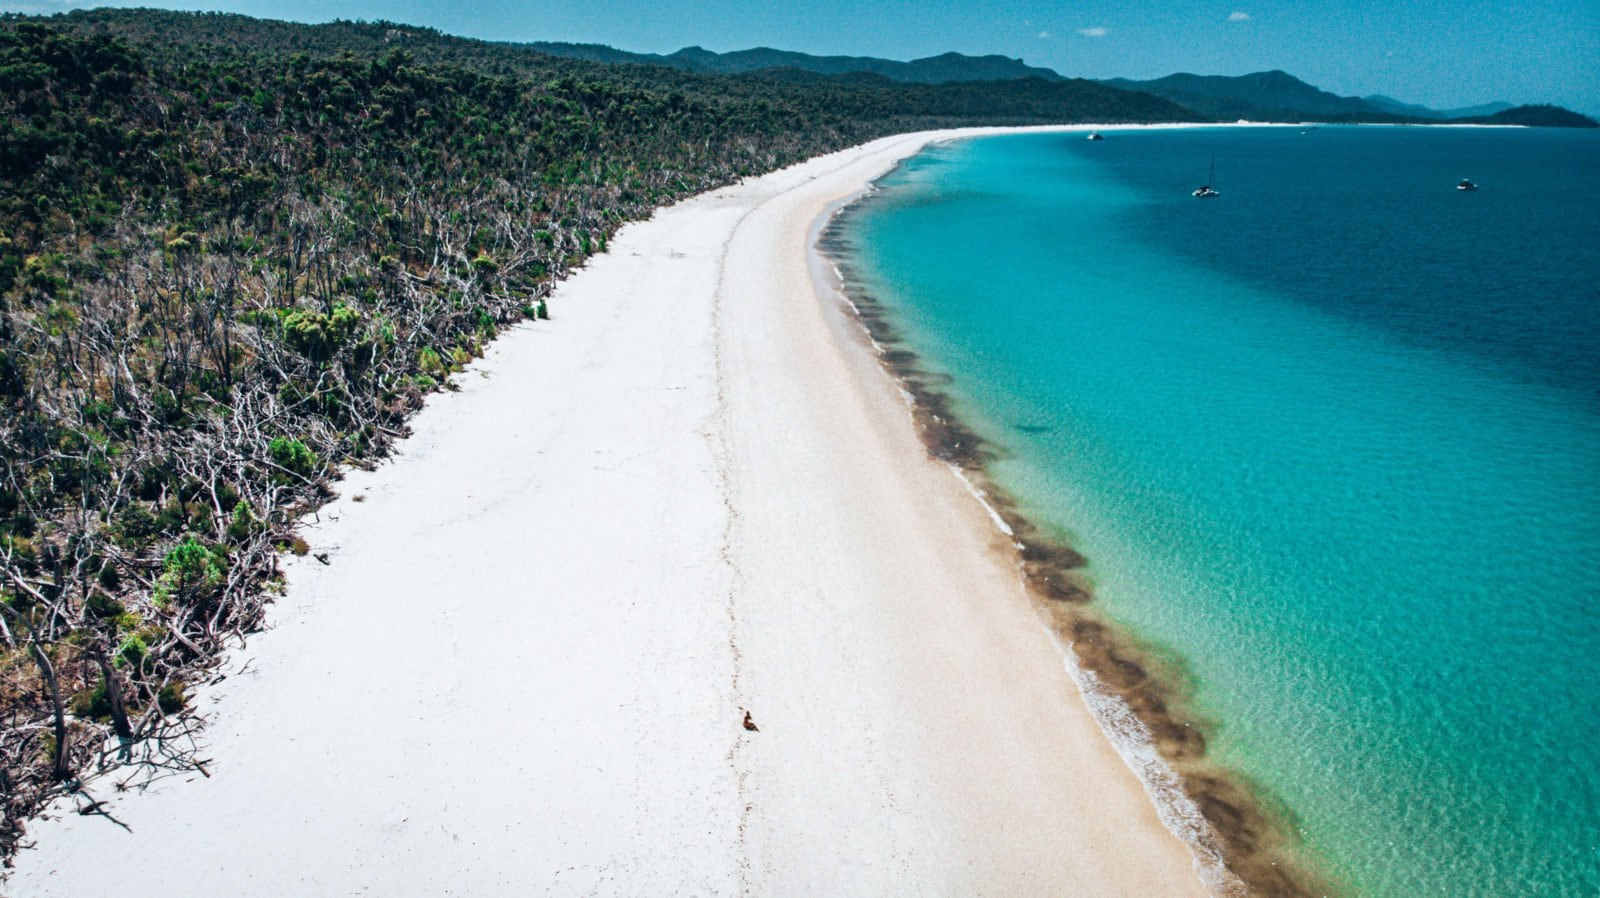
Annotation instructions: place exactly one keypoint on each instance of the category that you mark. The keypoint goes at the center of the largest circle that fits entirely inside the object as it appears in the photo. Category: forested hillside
(1541, 115)
(928, 70)
(858, 100)
(235, 255)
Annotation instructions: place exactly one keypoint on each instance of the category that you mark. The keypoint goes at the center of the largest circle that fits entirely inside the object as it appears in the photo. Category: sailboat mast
(1206, 191)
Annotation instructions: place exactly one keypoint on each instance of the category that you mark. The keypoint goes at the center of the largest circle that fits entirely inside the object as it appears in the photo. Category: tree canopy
(236, 255)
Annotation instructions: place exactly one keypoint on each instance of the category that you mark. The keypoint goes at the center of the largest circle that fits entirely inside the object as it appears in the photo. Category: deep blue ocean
(1331, 439)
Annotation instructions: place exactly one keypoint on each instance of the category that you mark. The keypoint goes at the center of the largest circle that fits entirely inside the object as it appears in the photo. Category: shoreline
(692, 496)
(1140, 703)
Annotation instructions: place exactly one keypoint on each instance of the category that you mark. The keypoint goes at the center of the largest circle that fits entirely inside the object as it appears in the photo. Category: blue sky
(1439, 52)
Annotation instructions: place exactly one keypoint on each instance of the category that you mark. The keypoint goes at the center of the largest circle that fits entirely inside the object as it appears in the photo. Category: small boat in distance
(1094, 135)
(1466, 184)
(1205, 191)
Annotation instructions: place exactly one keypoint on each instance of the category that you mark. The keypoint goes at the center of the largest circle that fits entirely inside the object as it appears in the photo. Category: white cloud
(1096, 31)
(1239, 17)
(1045, 35)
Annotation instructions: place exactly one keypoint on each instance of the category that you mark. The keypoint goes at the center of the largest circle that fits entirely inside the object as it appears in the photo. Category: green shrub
(244, 523)
(383, 332)
(190, 570)
(109, 576)
(431, 363)
(100, 606)
(183, 243)
(132, 651)
(93, 703)
(198, 514)
(172, 518)
(292, 455)
(319, 336)
(171, 698)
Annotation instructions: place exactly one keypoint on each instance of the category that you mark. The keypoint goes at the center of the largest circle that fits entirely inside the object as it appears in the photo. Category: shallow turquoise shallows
(1332, 439)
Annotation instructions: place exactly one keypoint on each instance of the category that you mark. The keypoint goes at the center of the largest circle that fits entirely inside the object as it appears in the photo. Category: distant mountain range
(932, 70)
(1260, 96)
(1390, 104)
(1280, 96)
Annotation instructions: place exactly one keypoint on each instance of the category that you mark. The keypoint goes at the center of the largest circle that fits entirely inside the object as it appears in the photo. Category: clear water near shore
(1332, 439)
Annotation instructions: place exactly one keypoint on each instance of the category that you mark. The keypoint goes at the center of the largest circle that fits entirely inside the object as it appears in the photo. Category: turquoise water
(1333, 439)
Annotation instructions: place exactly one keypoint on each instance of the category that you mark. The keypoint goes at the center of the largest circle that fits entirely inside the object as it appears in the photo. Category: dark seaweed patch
(1257, 834)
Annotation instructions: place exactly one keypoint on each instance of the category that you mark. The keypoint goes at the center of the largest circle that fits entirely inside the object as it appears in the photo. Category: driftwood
(286, 281)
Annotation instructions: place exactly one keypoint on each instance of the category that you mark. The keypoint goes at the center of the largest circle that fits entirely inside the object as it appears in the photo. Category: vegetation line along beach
(236, 255)
(263, 587)
(948, 760)
(227, 275)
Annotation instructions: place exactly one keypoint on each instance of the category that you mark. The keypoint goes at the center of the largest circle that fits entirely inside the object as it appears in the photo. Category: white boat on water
(1206, 191)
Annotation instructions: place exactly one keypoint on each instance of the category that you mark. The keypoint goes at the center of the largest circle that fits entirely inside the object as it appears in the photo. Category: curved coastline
(1140, 699)
(526, 663)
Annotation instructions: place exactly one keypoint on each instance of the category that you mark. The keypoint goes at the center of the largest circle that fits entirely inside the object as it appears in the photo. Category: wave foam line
(1136, 746)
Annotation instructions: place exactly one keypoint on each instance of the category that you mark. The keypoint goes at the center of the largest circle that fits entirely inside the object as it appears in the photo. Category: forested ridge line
(854, 98)
(236, 255)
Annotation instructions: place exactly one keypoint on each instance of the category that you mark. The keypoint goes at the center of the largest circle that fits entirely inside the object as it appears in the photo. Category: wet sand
(692, 494)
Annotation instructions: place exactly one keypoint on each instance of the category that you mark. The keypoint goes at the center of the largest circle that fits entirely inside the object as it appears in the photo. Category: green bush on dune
(237, 254)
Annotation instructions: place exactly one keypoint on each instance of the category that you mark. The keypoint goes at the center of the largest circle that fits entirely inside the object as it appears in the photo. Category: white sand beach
(524, 670)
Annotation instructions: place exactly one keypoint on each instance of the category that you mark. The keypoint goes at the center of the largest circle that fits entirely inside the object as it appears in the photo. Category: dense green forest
(235, 255)
(864, 101)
